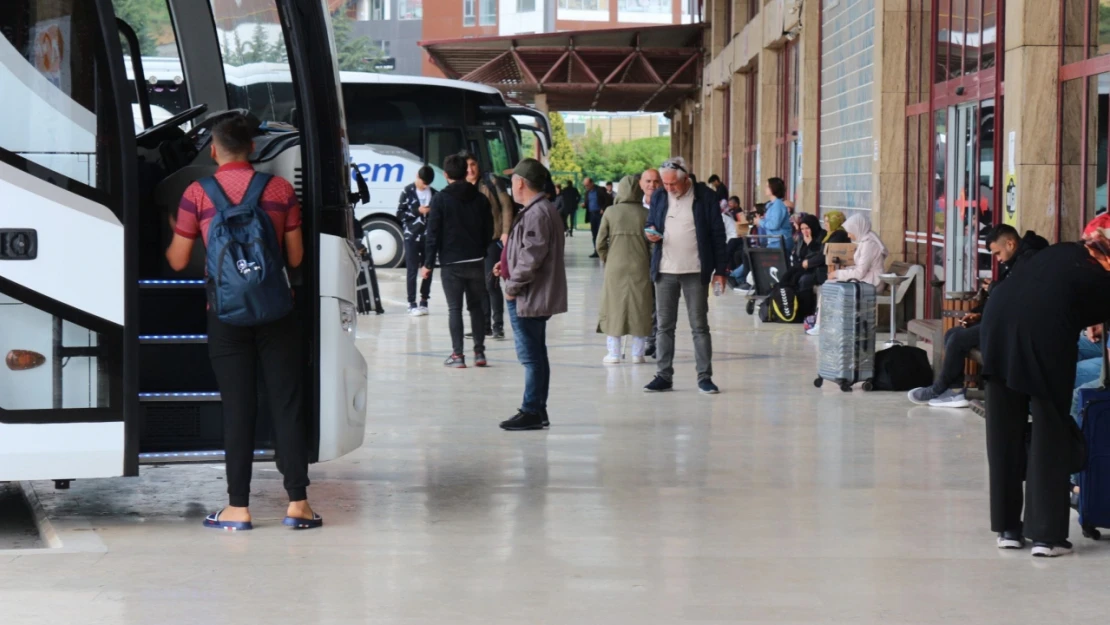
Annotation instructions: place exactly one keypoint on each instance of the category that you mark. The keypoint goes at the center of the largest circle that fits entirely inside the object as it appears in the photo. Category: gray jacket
(537, 273)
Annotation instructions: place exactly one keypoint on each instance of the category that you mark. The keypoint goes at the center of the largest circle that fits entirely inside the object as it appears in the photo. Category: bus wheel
(385, 240)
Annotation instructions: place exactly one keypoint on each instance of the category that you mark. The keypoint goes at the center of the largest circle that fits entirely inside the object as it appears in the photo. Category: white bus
(104, 353)
(395, 125)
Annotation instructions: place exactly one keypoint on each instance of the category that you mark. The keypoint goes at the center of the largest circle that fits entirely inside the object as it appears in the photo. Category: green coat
(627, 299)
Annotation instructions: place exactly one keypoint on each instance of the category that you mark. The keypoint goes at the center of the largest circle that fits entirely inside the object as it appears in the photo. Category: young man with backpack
(251, 226)
(460, 228)
(412, 210)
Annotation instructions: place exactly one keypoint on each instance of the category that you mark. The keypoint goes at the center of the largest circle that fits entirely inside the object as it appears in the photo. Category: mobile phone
(653, 232)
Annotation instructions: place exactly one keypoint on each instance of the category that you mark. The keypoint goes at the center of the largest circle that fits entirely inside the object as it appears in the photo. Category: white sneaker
(1045, 550)
(742, 288)
(423, 311)
(638, 360)
(611, 360)
(814, 331)
(950, 399)
(414, 312)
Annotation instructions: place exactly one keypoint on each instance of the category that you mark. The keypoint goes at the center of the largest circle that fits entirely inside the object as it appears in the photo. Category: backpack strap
(215, 193)
(257, 186)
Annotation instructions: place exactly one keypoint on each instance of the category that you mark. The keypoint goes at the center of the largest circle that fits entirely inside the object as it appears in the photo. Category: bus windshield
(256, 62)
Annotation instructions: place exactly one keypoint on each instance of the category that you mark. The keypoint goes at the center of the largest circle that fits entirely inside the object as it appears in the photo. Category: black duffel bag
(902, 368)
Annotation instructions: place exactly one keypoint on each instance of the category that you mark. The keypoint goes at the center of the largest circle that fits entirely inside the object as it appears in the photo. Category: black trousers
(568, 222)
(595, 224)
(1045, 467)
(958, 343)
(493, 308)
(459, 281)
(238, 355)
(414, 260)
(734, 252)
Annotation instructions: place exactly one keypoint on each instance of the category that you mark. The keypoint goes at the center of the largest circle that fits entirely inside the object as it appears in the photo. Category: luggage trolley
(767, 266)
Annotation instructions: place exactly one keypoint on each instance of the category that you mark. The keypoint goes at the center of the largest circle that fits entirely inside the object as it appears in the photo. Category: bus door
(68, 182)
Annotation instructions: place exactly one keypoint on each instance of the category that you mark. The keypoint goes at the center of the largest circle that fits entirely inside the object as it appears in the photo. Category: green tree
(612, 161)
(562, 158)
(149, 18)
(356, 54)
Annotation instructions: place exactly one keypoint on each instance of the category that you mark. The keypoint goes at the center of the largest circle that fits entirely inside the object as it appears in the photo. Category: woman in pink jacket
(869, 259)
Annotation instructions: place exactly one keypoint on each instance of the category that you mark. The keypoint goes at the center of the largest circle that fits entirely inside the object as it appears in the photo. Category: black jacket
(571, 198)
(408, 211)
(1030, 244)
(459, 226)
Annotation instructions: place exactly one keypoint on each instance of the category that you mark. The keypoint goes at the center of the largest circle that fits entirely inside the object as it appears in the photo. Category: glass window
(1103, 17)
(441, 143)
(962, 222)
(973, 36)
(160, 60)
(944, 35)
(469, 18)
(410, 9)
(989, 42)
(498, 153)
(53, 77)
(248, 35)
(956, 38)
(645, 6)
(584, 5)
(940, 192)
(525, 6)
(489, 12)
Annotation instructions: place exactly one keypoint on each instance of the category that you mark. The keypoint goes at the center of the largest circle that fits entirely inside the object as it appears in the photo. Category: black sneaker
(650, 351)
(489, 332)
(732, 282)
(594, 255)
(479, 358)
(658, 385)
(1011, 540)
(707, 387)
(525, 421)
(499, 334)
(455, 361)
(1050, 550)
(469, 335)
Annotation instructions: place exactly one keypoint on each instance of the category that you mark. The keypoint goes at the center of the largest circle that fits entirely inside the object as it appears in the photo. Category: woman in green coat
(626, 300)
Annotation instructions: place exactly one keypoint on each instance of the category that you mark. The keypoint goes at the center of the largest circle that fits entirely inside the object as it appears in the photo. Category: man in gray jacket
(535, 276)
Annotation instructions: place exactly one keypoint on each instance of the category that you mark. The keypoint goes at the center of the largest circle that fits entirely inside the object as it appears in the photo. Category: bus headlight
(348, 317)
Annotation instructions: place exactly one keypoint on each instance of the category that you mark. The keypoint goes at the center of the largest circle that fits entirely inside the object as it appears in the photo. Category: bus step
(179, 397)
(172, 339)
(171, 284)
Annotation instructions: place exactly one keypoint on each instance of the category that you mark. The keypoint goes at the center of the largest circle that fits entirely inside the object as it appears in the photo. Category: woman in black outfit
(807, 257)
(1029, 357)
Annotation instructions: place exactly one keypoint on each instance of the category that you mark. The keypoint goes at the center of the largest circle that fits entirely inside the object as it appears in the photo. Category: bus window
(165, 81)
(52, 65)
(498, 152)
(252, 43)
(441, 143)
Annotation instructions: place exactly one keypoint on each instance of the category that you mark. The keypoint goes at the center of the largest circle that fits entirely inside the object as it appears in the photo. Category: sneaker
(1049, 550)
(423, 308)
(611, 360)
(950, 399)
(732, 282)
(414, 311)
(499, 335)
(594, 255)
(525, 421)
(479, 358)
(809, 322)
(1011, 540)
(815, 330)
(650, 351)
(922, 395)
(707, 387)
(455, 361)
(742, 288)
(638, 360)
(658, 385)
(469, 335)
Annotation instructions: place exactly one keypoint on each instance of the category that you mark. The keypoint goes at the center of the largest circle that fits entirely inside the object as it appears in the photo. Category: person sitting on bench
(807, 258)
(1010, 250)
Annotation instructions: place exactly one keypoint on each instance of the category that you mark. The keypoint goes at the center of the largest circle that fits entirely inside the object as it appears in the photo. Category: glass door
(962, 218)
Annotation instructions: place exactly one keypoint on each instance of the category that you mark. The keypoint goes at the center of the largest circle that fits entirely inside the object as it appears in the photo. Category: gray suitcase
(846, 353)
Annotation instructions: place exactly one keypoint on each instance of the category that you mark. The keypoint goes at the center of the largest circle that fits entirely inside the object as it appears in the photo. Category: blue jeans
(1090, 361)
(530, 335)
(740, 274)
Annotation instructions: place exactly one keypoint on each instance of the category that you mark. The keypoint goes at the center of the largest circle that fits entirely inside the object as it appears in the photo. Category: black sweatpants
(238, 353)
(414, 261)
(595, 225)
(465, 279)
(1045, 468)
(493, 308)
(958, 343)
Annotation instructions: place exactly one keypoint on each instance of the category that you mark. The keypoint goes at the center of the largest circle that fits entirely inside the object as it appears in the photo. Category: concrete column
(809, 43)
(738, 102)
(1032, 66)
(769, 124)
(716, 12)
(889, 130)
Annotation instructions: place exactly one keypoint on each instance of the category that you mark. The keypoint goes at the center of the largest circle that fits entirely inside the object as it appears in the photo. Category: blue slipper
(298, 523)
(213, 521)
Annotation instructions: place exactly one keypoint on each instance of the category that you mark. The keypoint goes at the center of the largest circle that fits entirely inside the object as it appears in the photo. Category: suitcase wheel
(751, 307)
(1089, 531)
(868, 386)
(818, 382)
(846, 386)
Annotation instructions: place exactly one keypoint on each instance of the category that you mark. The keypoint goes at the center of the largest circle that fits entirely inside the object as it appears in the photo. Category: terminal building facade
(937, 118)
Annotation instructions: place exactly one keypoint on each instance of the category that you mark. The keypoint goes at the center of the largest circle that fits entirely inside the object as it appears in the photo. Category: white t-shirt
(730, 226)
(680, 237)
(425, 196)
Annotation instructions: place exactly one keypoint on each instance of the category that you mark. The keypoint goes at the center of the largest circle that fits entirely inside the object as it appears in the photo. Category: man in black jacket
(571, 198)
(460, 227)
(1011, 250)
(412, 210)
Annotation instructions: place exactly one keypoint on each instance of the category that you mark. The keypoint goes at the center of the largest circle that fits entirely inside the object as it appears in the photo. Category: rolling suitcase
(1094, 479)
(846, 347)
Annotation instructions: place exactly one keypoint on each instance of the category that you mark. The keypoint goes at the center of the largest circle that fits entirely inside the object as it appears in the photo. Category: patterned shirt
(279, 200)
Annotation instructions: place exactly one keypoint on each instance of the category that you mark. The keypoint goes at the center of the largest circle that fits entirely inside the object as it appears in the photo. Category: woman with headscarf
(834, 228)
(869, 259)
(626, 298)
(807, 258)
(1029, 358)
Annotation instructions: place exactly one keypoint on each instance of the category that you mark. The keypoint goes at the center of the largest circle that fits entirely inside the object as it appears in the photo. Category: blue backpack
(247, 284)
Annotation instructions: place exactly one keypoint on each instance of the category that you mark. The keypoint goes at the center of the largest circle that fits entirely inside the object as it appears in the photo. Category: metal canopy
(625, 69)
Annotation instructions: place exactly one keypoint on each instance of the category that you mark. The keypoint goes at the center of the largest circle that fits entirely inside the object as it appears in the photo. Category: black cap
(533, 171)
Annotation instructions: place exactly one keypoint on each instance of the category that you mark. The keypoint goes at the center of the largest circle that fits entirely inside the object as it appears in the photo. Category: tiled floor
(773, 502)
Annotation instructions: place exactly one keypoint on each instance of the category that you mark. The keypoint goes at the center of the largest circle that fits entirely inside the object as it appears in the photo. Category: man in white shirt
(688, 255)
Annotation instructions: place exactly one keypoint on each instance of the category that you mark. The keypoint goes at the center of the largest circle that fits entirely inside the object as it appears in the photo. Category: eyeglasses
(674, 166)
